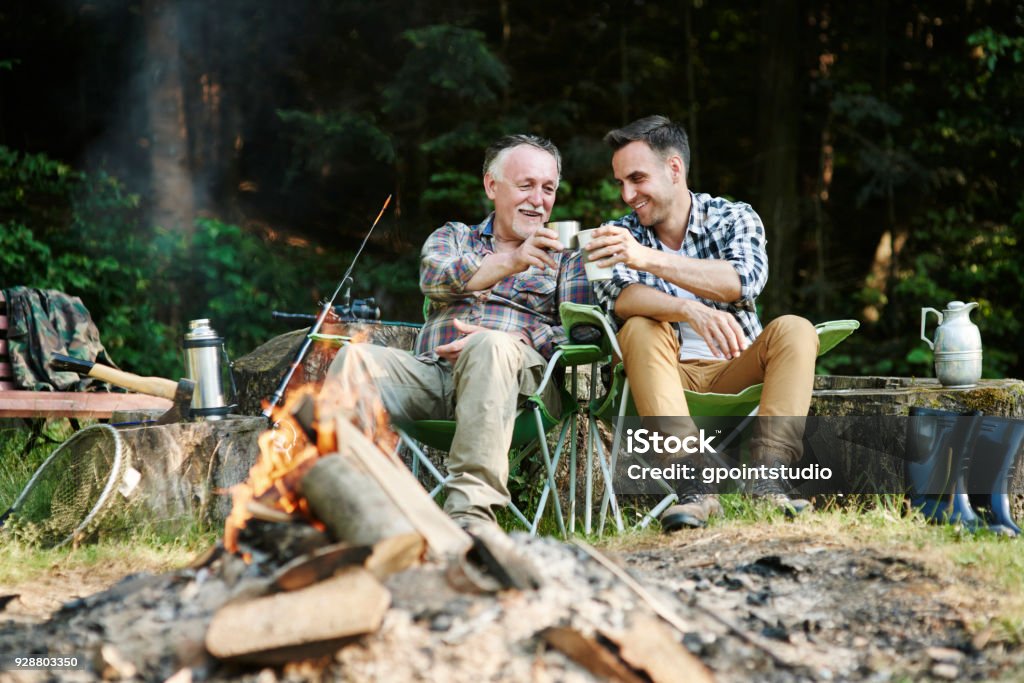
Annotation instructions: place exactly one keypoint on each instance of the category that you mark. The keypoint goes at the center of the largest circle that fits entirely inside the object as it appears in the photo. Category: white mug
(594, 271)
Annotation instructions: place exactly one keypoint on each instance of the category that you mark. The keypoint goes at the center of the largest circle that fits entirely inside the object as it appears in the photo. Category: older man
(688, 267)
(494, 290)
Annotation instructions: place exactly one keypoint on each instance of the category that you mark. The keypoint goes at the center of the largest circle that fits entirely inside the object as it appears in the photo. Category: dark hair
(660, 134)
(496, 152)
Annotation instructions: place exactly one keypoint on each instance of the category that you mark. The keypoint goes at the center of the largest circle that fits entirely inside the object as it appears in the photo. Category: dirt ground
(847, 609)
(765, 602)
(40, 597)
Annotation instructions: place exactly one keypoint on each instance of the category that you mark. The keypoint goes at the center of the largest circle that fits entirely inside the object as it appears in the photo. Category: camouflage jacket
(42, 322)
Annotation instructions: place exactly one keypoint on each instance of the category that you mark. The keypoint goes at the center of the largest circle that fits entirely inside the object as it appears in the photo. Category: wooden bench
(97, 405)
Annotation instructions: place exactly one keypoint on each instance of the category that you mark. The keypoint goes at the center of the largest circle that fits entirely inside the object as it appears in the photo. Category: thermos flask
(204, 350)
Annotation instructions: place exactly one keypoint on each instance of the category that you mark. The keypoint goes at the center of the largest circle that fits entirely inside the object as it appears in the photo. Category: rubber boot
(995, 451)
(938, 455)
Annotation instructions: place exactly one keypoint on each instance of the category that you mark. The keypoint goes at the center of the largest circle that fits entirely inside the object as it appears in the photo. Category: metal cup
(567, 231)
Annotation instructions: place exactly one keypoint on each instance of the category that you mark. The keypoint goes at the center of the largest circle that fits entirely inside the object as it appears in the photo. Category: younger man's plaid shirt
(718, 229)
(525, 303)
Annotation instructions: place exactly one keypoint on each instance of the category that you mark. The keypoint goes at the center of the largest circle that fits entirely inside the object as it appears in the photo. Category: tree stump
(258, 373)
(188, 467)
(885, 397)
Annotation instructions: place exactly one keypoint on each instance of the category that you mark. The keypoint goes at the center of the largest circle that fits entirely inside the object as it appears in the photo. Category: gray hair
(494, 158)
(660, 134)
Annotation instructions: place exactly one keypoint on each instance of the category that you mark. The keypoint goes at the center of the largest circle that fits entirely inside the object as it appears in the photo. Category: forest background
(168, 160)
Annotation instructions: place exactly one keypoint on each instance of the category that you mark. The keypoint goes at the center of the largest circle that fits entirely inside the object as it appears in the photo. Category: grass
(20, 562)
(16, 466)
(144, 546)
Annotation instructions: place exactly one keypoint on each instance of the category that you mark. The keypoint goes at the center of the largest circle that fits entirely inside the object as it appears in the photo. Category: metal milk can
(203, 353)
(957, 345)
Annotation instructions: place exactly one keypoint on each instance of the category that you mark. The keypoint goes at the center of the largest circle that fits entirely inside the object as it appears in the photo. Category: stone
(948, 672)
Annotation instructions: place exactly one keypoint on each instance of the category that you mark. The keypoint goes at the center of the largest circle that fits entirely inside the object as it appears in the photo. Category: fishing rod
(283, 386)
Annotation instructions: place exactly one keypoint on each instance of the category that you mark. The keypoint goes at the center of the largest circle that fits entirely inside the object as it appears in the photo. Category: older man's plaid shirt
(718, 229)
(525, 303)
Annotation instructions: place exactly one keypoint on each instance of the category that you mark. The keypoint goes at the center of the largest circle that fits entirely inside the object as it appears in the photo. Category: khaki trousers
(782, 357)
(492, 377)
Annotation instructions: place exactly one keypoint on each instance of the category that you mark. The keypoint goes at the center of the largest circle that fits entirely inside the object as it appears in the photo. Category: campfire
(329, 466)
(337, 565)
(299, 438)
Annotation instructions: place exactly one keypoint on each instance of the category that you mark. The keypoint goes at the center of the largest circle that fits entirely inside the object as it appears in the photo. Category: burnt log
(350, 503)
(309, 622)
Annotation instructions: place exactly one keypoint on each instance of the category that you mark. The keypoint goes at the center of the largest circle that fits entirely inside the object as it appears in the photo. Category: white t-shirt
(692, 346)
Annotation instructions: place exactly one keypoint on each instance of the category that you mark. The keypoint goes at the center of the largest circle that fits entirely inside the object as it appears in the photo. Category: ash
(793, 610)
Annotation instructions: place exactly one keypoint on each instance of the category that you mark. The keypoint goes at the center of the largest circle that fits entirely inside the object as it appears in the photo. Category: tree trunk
(173, 203)
(692, 179)
(779, 136)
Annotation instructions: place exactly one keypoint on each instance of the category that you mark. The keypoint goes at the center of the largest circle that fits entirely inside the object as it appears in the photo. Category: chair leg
(656, 511)
(593, 437)
(614, 459)
(573, 420)
(542, 501)
(420, 458)
(551, 473)
(518, 514)
(609, 489)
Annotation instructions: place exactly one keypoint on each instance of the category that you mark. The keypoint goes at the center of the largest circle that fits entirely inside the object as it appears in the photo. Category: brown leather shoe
(692, 511)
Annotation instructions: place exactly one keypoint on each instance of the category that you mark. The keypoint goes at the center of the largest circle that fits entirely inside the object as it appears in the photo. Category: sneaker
(692, 511)
(774, 491)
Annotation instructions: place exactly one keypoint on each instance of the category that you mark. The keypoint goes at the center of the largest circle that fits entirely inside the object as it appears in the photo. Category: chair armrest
(833, 332)
(573, 315)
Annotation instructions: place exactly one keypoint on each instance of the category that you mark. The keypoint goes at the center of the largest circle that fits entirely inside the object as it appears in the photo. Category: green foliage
(67, 230)
(235, 279)
(448, 66)
(589, 204)
(319, 140)
(456, 189)
(80, 233)
(995, 45)
(909, 125)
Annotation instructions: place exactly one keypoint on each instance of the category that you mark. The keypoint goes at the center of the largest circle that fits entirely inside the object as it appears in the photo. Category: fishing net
(72, 492)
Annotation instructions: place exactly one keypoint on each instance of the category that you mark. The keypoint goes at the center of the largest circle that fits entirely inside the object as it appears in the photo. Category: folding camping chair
(532, 424)
(617, 403)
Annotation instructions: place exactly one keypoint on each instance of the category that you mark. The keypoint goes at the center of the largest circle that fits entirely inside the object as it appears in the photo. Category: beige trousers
(782, 357)
(492, 377)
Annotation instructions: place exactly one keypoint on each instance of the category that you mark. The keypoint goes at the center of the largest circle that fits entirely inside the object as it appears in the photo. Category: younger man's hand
(613, 244)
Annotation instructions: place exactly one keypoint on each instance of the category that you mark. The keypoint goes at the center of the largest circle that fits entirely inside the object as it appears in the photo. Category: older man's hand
(451, 351)
(536, 250)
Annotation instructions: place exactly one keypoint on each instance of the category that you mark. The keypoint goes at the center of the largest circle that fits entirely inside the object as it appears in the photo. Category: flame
(287, 453)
